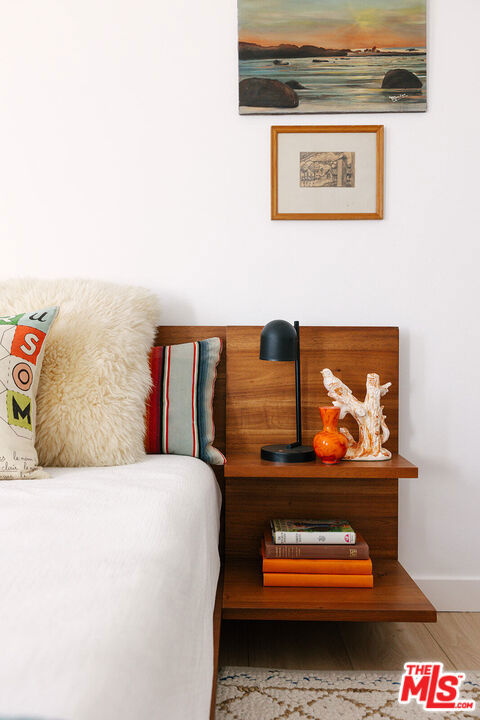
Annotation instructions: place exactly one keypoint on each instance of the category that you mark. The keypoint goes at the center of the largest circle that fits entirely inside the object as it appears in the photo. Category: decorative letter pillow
(180, 407)
(96, 377)
(22, 347)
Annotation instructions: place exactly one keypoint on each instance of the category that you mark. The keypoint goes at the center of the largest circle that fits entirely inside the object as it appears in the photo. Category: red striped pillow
(179, 417)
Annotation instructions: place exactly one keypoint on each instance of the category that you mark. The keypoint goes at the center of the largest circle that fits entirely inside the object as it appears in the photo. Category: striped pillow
(179, 419)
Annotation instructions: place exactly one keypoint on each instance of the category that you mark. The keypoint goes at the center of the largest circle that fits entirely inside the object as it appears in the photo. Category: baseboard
(454, 594)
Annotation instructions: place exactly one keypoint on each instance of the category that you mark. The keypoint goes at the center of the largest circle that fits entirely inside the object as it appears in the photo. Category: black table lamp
(280, 340)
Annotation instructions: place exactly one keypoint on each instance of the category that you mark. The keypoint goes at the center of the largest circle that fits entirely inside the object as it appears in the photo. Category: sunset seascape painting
(332, 56)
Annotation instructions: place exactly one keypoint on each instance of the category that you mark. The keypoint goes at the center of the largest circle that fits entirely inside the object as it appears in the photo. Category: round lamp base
(286, 454)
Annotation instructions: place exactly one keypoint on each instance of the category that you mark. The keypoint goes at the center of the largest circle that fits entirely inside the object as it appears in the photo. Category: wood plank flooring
(453, 640)
(459, 636)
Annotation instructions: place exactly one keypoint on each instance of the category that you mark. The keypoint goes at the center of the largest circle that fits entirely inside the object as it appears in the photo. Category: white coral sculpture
(372, 430)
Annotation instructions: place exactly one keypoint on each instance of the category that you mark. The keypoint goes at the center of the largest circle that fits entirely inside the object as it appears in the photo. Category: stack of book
(315, 553)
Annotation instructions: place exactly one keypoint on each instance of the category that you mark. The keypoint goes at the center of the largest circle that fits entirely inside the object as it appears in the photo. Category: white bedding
(107, 588)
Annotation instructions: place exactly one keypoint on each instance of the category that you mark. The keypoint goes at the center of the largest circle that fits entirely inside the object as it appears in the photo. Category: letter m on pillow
(19, 409)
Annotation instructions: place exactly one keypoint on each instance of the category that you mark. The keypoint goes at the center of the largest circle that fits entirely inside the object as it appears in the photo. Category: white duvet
(107, 588)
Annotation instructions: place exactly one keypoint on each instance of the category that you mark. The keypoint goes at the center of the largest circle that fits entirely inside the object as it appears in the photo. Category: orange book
(327, 567)
(316, 580)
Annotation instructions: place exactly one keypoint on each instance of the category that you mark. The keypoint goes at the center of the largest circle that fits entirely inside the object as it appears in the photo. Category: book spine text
(314, 538)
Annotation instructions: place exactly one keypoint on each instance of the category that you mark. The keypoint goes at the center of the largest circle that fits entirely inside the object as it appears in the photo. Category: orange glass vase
(329, 444)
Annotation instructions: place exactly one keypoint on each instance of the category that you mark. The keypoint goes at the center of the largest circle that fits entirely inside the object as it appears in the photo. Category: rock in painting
(400, 79)
(263, 92)
(295, 85)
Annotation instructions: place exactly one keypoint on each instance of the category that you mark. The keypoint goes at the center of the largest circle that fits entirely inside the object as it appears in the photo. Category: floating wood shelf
(394, 597)
(260, 411)
(251, 465)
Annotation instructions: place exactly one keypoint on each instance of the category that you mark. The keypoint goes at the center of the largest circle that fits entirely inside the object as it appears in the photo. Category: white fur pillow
(95, 376)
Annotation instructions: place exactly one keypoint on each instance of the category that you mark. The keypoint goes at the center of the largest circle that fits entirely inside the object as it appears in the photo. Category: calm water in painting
(350, 84)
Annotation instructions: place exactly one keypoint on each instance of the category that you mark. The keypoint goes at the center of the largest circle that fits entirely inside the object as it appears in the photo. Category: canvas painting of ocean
(332, 56)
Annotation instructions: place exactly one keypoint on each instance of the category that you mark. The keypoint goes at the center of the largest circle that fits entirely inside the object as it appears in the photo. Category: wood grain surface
(394, 597)
(371, 506)
(352, 646)
(251, 465)
(261, 395)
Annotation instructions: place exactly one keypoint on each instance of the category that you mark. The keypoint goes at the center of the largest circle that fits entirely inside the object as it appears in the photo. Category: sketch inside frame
(327, 169)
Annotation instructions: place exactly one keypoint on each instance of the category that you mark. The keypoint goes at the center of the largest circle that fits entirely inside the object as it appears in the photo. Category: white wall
(122, 156)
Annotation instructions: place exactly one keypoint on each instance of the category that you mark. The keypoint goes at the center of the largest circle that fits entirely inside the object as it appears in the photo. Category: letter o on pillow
(22, 376)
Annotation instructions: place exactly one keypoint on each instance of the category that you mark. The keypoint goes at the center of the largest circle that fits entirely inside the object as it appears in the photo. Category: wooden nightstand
(260, 410)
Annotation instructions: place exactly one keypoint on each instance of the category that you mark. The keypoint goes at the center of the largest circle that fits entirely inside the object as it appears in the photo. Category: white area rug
(259, 694)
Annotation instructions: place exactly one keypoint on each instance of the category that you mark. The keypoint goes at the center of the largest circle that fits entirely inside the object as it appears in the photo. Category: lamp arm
(298, 394)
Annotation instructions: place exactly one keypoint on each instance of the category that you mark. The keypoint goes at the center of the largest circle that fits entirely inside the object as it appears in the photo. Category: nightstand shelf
(261, 411)
(394, 597)
(251, 465)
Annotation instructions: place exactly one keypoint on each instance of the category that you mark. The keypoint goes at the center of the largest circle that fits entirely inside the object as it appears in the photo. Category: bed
(108, 582)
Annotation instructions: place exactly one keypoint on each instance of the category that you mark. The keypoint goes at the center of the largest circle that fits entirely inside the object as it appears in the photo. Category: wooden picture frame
(374, 212)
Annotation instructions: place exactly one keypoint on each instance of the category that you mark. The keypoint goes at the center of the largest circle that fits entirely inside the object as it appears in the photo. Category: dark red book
(359, 551)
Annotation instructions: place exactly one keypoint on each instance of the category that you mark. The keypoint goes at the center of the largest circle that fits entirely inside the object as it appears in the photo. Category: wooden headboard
(261, 395)
(175, 334)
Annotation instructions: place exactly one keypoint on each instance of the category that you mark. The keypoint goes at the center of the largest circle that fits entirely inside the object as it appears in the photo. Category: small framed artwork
(327, 172)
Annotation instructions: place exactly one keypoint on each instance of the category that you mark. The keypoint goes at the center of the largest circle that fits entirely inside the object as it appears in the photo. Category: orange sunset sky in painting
(333, 23)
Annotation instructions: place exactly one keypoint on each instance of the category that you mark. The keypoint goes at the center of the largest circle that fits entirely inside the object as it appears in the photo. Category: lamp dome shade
(278, 341)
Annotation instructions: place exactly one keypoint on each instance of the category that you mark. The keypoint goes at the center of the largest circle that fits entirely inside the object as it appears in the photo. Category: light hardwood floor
(453, 640)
